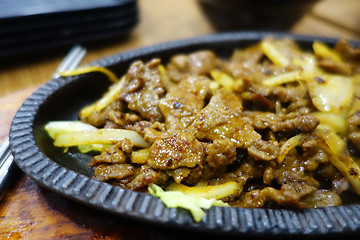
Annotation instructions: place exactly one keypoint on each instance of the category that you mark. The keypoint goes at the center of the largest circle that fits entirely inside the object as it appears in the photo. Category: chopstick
(7, 164)
(71, 60)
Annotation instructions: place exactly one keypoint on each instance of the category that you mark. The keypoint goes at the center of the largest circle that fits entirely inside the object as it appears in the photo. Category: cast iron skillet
(69, 175)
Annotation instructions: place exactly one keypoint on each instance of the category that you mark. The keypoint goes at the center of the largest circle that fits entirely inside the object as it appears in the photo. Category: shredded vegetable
(208, 192)
(283, 78)
(99, 136)
(112, 77)
(58, 128)
(288, 145)
(274, 54)
(223, 79)
(323, 51)
(87, 137)
(331, 93)
(195, 205)
(103, 102)
(341, 158)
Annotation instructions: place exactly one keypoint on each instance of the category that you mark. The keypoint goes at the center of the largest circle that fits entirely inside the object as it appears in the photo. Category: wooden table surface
(29, 211)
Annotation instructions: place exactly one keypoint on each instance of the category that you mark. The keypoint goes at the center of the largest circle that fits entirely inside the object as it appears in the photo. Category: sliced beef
(176, 149)
(248, 57)
(198, 63)
(335, 67)
(292, 98)
(285, 197)
(145, 175)
(179, 174)
(264, 150)
(220, 153)
(202, 134)
(105, 172)
(111, 155)
(118, 119)
(143, 88)
(347, 52)
(289, 124)
(322, 198)
(99, 118)
(182, 103)
(114, 154)
(221, 118)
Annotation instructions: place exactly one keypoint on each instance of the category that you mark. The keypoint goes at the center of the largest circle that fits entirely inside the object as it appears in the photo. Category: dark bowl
(69, 175)
(255, 14)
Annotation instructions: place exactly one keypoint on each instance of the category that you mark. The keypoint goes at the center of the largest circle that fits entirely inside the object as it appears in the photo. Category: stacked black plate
(29, 26)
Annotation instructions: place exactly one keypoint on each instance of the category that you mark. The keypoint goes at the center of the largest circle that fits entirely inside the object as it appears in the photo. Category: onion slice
(112, 77)
(288, 145)
(341, 158)
(105, 100)
(208, 192)
(99, 136)
(331, 93)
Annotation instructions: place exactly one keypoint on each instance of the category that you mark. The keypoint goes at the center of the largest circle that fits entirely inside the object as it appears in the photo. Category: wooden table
(29, 211)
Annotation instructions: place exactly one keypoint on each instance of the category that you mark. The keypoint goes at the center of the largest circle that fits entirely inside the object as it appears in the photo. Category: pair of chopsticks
(7, 164)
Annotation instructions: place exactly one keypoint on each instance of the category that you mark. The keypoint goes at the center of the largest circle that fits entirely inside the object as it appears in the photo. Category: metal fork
(7, 164)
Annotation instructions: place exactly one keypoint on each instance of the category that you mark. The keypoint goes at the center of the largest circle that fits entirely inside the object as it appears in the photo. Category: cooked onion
(99, 136)
(103, 102)
(208, 192)
(331, 93)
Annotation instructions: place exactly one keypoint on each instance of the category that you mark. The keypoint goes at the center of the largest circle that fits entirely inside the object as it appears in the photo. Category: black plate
(48, 19)
(69, 175)
(34, 27)
(36, 10)
(62, 29)
(83, 33)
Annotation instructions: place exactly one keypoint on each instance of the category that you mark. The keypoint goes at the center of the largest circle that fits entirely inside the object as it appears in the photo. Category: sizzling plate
(69, 175)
